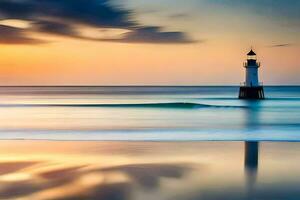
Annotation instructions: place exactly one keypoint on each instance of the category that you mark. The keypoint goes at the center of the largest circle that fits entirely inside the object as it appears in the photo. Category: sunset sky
(143, 42)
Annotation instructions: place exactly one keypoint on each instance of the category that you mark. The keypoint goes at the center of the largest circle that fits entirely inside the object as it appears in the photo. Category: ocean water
(148, 114)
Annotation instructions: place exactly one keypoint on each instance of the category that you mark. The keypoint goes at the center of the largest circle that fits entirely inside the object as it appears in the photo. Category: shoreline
(151, 141)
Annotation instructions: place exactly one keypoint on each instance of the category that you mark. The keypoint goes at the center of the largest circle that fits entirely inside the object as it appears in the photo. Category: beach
(146, 143)
(149, 170)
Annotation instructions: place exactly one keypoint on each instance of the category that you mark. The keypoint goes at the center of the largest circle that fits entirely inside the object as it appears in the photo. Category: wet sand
(149, 170)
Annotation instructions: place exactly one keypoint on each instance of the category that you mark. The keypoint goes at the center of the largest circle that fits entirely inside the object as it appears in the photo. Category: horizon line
(270, 85)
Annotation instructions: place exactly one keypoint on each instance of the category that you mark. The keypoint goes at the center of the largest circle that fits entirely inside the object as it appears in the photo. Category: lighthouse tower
(251, 88)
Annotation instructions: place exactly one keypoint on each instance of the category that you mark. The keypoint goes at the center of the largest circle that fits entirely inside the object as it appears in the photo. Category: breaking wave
(174, 105)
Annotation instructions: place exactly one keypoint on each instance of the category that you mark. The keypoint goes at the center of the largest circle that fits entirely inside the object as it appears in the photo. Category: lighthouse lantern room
(251, 89)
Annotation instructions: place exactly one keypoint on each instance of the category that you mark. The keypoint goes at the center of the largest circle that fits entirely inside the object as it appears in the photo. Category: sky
(142, 42)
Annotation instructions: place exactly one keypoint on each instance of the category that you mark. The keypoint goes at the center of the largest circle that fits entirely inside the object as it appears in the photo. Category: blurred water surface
(148, 113)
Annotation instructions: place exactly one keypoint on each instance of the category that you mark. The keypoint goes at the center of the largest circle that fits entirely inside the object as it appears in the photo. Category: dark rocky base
(251, 92)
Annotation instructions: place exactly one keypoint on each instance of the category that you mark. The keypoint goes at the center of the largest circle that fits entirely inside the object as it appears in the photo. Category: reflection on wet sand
(104, 171)
(251, 166)
(82, 182)
(148, 170)
(251, 156)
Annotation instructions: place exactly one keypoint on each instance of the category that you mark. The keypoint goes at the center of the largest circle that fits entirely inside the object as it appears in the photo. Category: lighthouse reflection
(251, 148)
(251, 167)
(251, 157)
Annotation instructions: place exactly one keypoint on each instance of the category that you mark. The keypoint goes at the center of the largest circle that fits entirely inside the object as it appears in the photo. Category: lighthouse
(251, 88)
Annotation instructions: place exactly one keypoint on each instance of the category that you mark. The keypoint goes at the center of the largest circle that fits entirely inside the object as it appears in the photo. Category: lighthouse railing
(245, 64)
(244, 84)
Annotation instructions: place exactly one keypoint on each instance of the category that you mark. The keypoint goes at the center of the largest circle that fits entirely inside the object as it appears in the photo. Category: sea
(148, 113)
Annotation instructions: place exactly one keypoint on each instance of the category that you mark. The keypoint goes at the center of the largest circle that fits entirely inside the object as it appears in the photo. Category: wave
(234, 98)
(172, 105)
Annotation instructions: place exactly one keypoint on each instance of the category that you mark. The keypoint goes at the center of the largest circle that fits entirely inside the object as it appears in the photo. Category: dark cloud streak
(280, 45)
(180, 16)
(12, 35)
(152, 35)
(55, 28)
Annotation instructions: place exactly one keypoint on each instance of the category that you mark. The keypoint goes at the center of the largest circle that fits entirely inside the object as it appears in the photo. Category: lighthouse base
(251, 92)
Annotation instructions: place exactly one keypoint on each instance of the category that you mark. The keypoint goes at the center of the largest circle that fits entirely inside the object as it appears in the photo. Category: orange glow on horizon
(68, 61)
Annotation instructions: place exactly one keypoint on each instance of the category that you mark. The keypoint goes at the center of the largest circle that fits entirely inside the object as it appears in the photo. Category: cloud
(180, 16)
(63, 17)
(152, 34)
(13, 35)
(95, 12)
(58, 28)
(281, 45)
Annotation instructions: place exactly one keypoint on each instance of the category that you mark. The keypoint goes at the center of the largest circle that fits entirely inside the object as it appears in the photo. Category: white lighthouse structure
(251, 89)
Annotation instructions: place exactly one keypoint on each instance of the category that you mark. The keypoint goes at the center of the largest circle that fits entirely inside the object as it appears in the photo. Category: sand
(149, 170)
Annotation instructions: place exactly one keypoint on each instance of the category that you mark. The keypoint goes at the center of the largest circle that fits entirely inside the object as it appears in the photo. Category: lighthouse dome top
(251, 53)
